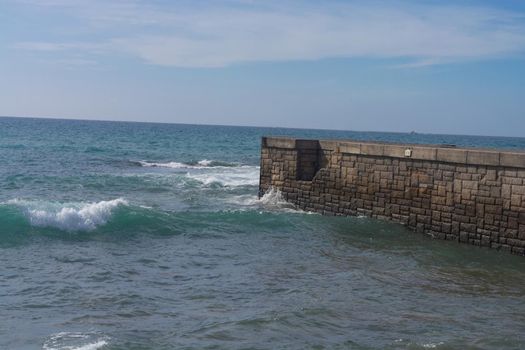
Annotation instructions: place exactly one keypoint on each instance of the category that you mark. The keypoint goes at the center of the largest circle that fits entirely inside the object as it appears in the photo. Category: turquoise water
(150, 236)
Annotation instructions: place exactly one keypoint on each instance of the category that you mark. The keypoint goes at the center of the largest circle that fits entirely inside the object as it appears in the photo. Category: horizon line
(254, 126)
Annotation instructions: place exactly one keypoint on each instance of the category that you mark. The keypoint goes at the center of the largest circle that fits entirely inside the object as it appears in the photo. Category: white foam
(273, 197)
(204, 163)
(68, 216)
(92, 346)
(228, 176)
(173, 165)
(75, 341)
(272, 200)
(243, 200)
(432, 345)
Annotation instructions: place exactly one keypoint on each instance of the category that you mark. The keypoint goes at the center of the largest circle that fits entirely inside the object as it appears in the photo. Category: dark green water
(150, 236)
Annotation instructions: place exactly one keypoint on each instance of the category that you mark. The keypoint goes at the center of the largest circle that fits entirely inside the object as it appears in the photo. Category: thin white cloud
(53, 46)
(218, 35)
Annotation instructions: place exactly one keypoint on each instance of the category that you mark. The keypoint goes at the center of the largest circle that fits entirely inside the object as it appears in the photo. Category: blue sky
(431, 66)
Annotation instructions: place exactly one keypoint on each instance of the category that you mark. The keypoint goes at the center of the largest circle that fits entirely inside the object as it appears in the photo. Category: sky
(454, 67)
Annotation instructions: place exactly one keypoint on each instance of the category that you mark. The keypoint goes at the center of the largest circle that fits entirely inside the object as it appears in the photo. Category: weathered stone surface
(471, 196)
(328, 145)
(451, 155)
(306, 144)
(515, 160)
(483, 157)
(372, 149)
(350, 147)
(426, 153)
(395, 151)
(278, 142)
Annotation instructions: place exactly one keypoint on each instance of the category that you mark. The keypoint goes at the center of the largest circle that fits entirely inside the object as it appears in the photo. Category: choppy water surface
(148, 236)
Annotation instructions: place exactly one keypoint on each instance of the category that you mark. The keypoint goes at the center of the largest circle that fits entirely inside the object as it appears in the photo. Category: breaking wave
(232, 177)
(174, 165)
(209, 172)
(272, 200)
(273, 197)
(204, 163)
(75, 341)
(118, 218)
(68, 216)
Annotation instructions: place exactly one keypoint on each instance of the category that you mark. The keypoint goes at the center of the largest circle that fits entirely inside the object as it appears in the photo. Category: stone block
(515, 200)
(517, 189)
(491, 175)
(472, 185)
(458, 184)
(495, 192)
(464, 176)
(512, 180)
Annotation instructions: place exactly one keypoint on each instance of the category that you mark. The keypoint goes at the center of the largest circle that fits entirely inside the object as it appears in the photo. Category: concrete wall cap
(279, 142)
(511, 159)
(483, 157)
(440, 153)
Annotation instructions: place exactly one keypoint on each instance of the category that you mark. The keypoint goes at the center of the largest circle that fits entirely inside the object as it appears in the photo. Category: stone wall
(467, 195)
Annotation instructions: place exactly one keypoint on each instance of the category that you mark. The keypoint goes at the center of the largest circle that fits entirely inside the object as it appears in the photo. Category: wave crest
(272, 200)
(230, 177)
(71, 216)
(75, 341)
(273, 197)
(174, 165)
(204, 163)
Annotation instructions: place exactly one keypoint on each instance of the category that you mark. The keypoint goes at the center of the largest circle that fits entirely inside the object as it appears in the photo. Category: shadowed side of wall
(468, 195)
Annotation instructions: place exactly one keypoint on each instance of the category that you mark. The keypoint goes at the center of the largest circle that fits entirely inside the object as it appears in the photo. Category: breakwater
(473, 196)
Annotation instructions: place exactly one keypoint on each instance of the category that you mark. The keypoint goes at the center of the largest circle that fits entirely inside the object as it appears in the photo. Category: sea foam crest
(273, 197)
(71, 216)
(204, 163)
(75, 341)
(228, 176)
(174, 165)
(272, 200)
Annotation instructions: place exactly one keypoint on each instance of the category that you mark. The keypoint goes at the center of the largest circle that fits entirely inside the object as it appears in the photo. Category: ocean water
(121, 235)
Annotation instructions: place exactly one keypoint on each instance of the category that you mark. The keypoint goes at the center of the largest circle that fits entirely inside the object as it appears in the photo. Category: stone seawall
(471, 196)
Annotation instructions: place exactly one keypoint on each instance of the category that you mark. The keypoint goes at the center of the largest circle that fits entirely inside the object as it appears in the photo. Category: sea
(120, 235)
